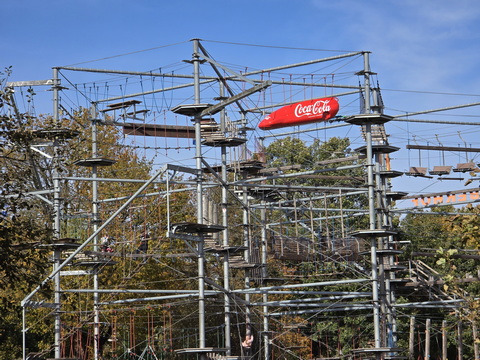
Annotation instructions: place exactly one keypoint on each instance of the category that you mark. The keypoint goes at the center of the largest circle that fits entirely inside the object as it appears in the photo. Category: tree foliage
(26, 223)
(447, 240)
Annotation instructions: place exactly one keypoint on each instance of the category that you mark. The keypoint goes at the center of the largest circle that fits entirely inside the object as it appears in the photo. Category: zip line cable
(126, 54)
(275, 47)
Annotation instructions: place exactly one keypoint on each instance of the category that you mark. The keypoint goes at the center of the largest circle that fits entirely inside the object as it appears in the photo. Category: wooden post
(411, 338)
(444, 340)
(427, 339)
(475, 343)
(460, 340)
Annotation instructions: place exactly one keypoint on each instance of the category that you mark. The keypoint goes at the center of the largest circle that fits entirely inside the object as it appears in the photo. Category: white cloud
(428, 44)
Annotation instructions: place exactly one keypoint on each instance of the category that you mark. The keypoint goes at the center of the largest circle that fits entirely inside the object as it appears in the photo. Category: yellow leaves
(451, 252)
(465, 229)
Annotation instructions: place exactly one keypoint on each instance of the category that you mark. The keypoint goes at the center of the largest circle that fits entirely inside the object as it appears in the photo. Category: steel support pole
(266, 338)
(198, 163)
(226, 256)
(385, 330)
(476, 350)
(95, 219)
(411, 339)
(24, 331)
(56, 211)
(445, 340)
(371, 205)
(427, 339)
(386, 221)
(247, 243)
(460, 340)
(247, 253)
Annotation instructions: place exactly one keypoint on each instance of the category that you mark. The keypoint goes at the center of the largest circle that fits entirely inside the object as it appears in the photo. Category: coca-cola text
(317, 108)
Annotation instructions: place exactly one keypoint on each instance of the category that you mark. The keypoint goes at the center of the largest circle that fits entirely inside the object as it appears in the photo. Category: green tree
(26, 223)
(448, 244)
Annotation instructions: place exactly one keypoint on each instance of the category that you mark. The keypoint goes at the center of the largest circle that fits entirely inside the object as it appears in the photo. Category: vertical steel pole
(371, 204)
(411, 339)
(198, 162)
(266, 342)
(386, 221)
(476, 351)
(248, 246)
(56, 210)
(460, 340)
(24, 330)
(247, 243)
(382, 297)
(95, 219)
(445, 340)
(427, 339)
(226, 257)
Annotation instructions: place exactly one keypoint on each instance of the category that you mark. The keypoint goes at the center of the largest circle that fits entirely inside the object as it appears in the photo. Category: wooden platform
(376, 350)
(62, 244)
(373, 233)
(224, 141)
(95, 162)
(378, 149)
(417, 171)
(390, 174)
(95, 263)
(465, 167)
(441, 170)
(195, 228)
(121, 105)
(173, 131)
(55, 134)
(396, 195)
(204, 350)
(190, 109)
(364, 119)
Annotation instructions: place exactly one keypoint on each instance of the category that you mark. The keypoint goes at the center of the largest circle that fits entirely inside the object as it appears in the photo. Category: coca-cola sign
(301, 113)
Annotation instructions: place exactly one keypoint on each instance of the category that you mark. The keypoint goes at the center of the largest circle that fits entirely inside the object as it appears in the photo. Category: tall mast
(371, 202)
(226, 242)
(56, 210)
(198, 165)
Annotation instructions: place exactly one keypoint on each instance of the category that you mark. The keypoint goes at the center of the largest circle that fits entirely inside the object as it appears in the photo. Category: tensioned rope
(126, 54)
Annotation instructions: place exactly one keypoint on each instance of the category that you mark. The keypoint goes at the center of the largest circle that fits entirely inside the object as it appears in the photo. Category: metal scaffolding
(258, 192)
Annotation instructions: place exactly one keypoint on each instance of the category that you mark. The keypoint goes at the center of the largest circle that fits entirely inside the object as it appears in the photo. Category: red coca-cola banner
(301, 113)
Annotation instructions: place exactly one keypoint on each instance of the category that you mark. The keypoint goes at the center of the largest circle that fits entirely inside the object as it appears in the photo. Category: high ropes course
(211, 252)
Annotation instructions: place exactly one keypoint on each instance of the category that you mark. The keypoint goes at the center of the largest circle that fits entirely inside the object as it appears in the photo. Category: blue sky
(430, 44)
(426, 53)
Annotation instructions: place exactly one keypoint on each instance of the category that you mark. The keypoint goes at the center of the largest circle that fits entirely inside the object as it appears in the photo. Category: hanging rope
(87, 344)
(170, 327)
(131, 342)
(114, 335)
(151, 328)
(290, 97)
(333, 82)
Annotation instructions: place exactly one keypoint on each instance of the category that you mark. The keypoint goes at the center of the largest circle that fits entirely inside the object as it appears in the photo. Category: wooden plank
(124, 104)
(30, 83)
(443, 148)
(337, 160)
(184, 132)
